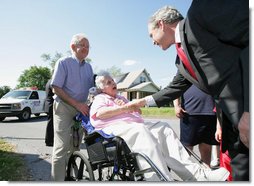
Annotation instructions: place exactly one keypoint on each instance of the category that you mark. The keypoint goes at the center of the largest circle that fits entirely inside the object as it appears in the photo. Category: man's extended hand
(137, 103)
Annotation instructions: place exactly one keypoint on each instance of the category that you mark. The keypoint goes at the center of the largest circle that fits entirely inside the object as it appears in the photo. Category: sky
(117, 31)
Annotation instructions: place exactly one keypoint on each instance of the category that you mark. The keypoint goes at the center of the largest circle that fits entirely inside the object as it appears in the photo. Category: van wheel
(2, 118)
(25, 115)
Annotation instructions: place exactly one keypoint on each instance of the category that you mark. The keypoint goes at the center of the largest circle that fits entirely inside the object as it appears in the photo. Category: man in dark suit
(49, 136)
(215, 39)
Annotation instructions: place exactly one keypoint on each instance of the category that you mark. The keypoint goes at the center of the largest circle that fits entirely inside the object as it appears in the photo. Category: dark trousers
(49, 137)
(238, 152)
(240, 165)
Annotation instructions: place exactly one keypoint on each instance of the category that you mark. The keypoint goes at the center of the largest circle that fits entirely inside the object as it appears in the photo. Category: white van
(22, 103)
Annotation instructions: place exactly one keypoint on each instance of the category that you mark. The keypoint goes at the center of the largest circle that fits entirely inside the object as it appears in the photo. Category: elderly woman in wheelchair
(111, 114)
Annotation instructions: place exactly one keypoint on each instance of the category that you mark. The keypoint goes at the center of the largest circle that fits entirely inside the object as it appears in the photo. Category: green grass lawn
(155, 112)
(12, 166)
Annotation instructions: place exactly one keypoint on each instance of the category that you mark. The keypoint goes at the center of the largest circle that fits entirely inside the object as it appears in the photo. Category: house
(136, 85)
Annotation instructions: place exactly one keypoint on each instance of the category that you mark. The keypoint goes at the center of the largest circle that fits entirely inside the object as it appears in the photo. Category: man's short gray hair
(167, 14)
(100, 79)
(77, 38)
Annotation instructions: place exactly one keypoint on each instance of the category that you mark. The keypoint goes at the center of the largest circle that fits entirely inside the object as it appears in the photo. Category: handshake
(132, 106)
(137, 103)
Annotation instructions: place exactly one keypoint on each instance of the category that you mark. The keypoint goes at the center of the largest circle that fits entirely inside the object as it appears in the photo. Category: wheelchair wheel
(79, 168)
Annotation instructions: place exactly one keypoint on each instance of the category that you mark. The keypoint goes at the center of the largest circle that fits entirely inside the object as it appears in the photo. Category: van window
(21, 94)
(34, 95)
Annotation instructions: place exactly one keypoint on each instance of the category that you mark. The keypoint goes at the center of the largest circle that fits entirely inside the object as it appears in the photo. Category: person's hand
(244, 128)
(83, 108)
(133, 109)
(130, 108)
(179, 111)
(137, 103)
(218, 134)
(119, 102)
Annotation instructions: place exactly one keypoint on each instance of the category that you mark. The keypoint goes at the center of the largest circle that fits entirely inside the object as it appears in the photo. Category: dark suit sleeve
(228, 20)
(174, 90)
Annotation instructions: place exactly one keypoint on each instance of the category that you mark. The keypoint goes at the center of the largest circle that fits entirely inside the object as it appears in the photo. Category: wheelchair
(106, 158)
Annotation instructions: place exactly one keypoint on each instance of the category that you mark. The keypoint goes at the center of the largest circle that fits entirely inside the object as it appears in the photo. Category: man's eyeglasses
(83, 46)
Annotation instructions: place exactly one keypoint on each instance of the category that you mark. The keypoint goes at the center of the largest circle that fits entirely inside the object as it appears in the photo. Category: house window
(133, 95)
(142, 79)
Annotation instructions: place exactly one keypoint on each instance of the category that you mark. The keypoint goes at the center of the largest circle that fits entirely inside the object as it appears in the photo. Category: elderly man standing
(71, 81)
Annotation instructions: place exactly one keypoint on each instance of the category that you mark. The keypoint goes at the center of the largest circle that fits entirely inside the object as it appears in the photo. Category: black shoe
(69, 179)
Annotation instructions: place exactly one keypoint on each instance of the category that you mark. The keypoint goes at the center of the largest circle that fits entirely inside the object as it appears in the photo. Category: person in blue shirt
(71, 81)
(197, 121)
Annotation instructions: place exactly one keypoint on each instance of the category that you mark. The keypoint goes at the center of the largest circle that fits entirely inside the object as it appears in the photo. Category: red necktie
(185, 60)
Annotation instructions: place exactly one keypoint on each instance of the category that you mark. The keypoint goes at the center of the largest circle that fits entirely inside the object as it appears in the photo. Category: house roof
(130, 78)
(120, 78)
(143, 86)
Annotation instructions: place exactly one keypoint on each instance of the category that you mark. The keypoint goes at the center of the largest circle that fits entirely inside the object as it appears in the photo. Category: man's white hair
(77, 38)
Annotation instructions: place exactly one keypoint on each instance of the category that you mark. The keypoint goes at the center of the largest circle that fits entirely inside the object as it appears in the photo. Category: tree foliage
(34, 76)
(4, 90)
(114, 71)
(52, 60)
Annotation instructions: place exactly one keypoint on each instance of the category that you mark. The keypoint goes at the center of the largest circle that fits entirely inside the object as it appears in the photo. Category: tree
(35, 76)
(114, 71)
(52, 60)
(4, 90)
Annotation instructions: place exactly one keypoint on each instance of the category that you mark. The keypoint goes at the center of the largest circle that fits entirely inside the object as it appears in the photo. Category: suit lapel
(200, 82)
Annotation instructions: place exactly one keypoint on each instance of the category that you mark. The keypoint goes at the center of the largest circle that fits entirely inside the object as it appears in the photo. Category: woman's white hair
(100, 79)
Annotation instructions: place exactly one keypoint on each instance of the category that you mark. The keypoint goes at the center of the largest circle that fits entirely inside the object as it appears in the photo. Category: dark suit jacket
(215, 37)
